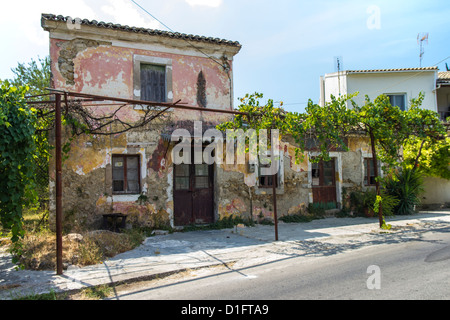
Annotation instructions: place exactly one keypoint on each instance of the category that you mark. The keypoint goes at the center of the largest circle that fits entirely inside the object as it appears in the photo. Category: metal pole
(58, 169)
(274, 187)
(142, 102)
(274, 192)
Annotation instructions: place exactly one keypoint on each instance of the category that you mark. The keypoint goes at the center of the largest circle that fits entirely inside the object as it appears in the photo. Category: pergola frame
(98, 100)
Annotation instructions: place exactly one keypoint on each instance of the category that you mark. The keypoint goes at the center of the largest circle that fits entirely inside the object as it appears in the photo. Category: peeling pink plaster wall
(107, 70)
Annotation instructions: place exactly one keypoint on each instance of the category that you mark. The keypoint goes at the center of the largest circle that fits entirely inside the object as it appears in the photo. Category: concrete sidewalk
(162, 255)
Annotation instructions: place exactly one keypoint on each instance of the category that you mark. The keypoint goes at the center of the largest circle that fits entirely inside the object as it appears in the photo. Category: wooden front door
(324, 183)
(193, 194)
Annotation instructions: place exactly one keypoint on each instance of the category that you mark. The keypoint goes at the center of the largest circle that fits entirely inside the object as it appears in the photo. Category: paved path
(165, 254)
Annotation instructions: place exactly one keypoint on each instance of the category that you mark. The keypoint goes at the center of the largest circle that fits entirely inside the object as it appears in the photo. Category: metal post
(274, 192)
(58, 169)
(274, 187)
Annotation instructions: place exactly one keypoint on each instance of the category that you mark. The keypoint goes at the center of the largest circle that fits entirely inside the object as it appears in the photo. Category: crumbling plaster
(104, 66)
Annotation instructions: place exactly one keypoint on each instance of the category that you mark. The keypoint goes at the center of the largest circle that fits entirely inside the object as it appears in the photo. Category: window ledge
(128, 197)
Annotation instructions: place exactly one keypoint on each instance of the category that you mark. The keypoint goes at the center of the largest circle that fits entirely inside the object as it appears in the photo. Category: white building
(401, 85)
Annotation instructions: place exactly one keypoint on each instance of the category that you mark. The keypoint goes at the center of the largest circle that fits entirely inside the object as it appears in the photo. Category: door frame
(338, 176)
(325, 193)
(192, 192)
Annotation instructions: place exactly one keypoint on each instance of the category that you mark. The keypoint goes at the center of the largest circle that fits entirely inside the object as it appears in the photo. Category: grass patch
(96, 293)
(86, 248)
(43, 296)
(92, 293)
(39, 250)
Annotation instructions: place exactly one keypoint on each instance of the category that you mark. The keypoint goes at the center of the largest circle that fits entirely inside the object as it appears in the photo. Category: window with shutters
(126, 174)
(369, 171)
(152, 79)
(153, 82)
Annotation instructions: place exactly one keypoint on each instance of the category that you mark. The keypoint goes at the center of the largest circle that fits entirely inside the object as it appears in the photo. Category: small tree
(427, 147)
(431, 158)
(326, 127)
(36, 76)
(17, 150)
(384, 125)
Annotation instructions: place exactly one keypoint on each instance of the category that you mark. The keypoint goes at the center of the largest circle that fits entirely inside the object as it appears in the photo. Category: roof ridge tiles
(116, 26)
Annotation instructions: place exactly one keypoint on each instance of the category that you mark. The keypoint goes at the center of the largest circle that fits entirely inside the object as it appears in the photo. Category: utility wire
(152, 15)
(167, 27)
(223, 65)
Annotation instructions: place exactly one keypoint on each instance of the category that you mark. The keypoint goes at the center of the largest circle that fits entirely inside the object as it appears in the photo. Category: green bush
(406, 185)
(369, 198)
(389, 203)
(317, 209)
(356, 202)
(361, 201)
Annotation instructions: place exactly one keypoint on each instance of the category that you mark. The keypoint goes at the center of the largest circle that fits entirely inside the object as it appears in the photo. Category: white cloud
(126, 13)
(29, 27)
(205, 3)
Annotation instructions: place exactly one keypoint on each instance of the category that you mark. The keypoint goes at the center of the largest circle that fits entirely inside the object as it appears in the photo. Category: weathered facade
(133, 172)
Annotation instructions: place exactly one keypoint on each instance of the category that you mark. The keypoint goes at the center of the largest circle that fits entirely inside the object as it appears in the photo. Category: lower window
(125, 174)
(267, 181)
(398, 100)
(369, 172)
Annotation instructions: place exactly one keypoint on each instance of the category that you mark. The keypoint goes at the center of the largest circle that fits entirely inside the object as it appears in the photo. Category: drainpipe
(58, 167)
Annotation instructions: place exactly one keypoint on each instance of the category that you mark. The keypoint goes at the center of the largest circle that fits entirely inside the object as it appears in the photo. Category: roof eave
(58, 24)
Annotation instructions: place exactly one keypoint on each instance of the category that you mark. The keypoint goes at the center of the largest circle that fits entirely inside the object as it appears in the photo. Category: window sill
(125, 197)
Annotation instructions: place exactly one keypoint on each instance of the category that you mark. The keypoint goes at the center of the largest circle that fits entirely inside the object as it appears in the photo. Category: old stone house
(133, 172)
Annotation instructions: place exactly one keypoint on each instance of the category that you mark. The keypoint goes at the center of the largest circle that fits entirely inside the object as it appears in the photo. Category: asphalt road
(418, 269)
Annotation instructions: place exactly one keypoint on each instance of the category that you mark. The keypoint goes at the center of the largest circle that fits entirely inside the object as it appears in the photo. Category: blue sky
(287, 44)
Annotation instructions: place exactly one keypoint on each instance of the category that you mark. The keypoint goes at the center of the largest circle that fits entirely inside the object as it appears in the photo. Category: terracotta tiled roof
(389, 70)
(153, 32)
(444, 75)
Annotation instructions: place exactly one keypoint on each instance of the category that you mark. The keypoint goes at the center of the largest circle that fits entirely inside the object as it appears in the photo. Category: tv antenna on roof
(338, 66)
(421, 38)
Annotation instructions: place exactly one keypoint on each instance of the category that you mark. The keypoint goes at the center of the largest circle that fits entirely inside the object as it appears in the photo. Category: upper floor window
(152, 78)
(153, 82)
(398, 100)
